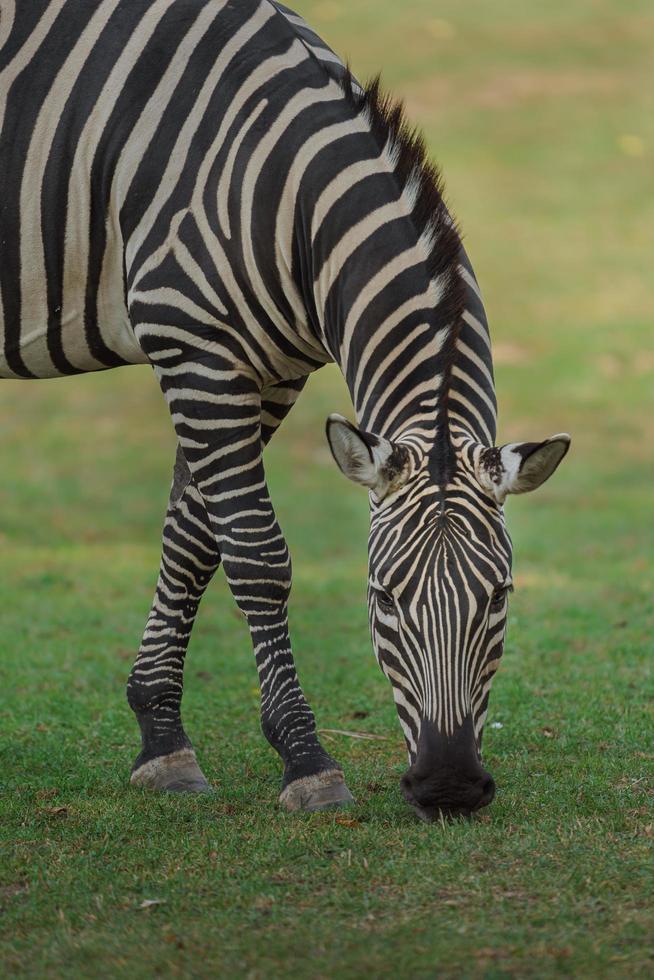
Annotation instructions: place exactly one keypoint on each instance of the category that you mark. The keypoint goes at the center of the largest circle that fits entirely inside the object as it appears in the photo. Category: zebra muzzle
(447, 778)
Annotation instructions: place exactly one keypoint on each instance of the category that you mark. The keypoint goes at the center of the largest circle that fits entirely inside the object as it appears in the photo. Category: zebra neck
(385, 321)
(428, 381)
(417, 377)
(395, 348)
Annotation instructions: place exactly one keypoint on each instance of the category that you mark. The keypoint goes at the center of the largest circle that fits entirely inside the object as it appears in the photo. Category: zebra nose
(449, 794)
(447, 776)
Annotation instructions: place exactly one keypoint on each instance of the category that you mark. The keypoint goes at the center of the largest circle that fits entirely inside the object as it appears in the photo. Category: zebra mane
(421, 179)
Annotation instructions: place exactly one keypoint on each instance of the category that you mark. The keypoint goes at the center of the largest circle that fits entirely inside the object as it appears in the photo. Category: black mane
(431, 216)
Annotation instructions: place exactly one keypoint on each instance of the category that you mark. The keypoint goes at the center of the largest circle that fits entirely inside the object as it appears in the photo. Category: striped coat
(202, 186)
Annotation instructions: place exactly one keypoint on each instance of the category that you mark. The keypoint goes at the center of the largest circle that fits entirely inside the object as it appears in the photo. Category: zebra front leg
(258, 568)
(189, 554)
(222, 441)
(154, 690)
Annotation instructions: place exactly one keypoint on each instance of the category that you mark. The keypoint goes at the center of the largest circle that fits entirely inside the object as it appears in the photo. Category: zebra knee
(260, 580)
(149, 690)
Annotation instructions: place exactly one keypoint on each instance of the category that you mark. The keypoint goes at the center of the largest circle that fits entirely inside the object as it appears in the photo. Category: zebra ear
(365, 458)
(519, 467)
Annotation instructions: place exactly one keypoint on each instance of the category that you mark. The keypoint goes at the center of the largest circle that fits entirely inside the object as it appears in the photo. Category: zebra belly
(34, 349)
(62, 293)
(62, 287)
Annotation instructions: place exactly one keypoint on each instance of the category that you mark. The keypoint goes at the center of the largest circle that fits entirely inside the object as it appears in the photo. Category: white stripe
(76, 252)
(470, 280)
(24, 55)
(32, 257)
(179, 155)
(7, 15)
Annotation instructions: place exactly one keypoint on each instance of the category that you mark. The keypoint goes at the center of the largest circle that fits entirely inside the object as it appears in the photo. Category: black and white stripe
(202, 186)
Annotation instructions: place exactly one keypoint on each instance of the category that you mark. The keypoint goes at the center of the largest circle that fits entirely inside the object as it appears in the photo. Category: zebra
(202, 186)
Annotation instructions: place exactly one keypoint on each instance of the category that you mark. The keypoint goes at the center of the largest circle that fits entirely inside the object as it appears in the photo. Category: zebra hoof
(325, 791)
(174, 773)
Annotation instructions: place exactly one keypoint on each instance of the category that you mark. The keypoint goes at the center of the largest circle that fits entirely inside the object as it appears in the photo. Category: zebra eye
(500, 594)
(385, 600)
(498, 598)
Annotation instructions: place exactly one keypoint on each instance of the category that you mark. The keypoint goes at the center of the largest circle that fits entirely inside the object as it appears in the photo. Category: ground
(541, 116)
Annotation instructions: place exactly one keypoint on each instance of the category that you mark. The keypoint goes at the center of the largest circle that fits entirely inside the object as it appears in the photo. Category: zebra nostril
(487, 791)
(455, 793)
(407, 785)
(447, 773)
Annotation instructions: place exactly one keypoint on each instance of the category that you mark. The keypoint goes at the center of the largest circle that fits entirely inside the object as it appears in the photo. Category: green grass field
(542, 118)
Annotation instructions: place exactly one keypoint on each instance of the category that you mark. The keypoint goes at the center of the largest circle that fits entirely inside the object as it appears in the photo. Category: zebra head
(438, 585)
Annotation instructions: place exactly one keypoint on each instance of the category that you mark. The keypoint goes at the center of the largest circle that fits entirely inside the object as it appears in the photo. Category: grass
(542, 118)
